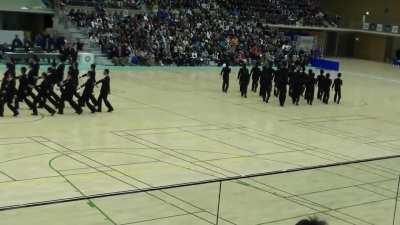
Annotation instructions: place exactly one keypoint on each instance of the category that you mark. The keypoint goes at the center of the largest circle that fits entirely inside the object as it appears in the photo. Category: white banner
(7, 36)
(395, 29)
(379, 27)
(305, 43)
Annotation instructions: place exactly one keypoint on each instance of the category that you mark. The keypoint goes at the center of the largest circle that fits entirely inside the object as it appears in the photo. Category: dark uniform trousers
(41, 98)
(85, 100)
(338, 95)
(225, 84)
(104, 97)
(68, 96)
(7, 99)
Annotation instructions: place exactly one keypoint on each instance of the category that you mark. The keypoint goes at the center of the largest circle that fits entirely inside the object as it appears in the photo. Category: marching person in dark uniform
(276, 89)
(296, 84)
(7, 94)
(282, 82)
(303, 80)
(225, 77)
(255, 75)
(310, 87)
(244, 79)
(10, 67)
(263, 85)
(337, 86)
(24, 90)
(73, 72)
(87, 94)
(104, 92)
(326, 88)
(68, 89)
(59, 72)
(43, 94)
(55, 80)
(267, 76)
(92, 77)
(291, 77)
(320, 82)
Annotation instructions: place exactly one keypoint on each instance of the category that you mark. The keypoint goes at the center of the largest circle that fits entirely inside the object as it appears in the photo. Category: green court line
(89, 202)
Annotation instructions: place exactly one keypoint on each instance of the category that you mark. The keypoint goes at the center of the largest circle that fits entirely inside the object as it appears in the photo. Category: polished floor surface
(173, 125)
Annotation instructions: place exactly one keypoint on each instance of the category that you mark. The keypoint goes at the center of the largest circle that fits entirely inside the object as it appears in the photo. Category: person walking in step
(7, 94)
(255, 75)
(92, 77)
(24, 91)
(225, 77)
(326, 88)
(310, 87)
(320, 83)
(105, 90)
(68, 89)
(337, 87)
(87, 94)
(244, 79)
(43, 94)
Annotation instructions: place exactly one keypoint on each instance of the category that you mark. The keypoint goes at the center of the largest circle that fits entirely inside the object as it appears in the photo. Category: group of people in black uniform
(41, 91)
(293, 78)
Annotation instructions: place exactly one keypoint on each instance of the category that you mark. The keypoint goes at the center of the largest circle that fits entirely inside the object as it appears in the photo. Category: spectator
(185, 32)
(16, 43)
(312, 221)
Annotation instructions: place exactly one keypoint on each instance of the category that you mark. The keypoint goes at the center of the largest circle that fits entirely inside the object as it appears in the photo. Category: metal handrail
(196, 183)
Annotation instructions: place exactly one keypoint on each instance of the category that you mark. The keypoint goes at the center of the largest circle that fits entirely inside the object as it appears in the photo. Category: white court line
(397, 81)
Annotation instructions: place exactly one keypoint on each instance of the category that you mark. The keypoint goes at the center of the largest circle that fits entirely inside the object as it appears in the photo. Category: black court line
(308, 203)
(40, 117)
(160, 148)
(335, 118)
(26, 157)
(111, 165)
(98, 196)
(320, 150)
(8, 176)
(126, 175)
(105, 173)
(162, 218)
(15, 143)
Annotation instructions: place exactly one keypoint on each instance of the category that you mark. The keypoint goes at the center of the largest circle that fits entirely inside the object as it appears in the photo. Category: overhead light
(24, 8)
(367, 13)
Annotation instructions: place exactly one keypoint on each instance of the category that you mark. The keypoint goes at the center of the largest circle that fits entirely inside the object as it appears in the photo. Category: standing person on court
(276, 89)
(337, 86)
(68, 89)
(87, 94)
(267, 77)
(59, 71)
(52, 76)
(92, 77)
(43, 94)
(326, 88)
(225, 77)
(310, 87)
(296, 83)
(244, 79)
(282, 82)
(7, 94)
(24, 90)
(320, 83)
(104, 92)
(255, 75)
(263, 83)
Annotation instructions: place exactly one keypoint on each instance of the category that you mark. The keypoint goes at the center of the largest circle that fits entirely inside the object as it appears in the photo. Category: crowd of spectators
(120, 4)
(287, 12)
(193, 32)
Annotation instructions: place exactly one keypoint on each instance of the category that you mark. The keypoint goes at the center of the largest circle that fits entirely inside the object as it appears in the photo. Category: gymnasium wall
(351, 11)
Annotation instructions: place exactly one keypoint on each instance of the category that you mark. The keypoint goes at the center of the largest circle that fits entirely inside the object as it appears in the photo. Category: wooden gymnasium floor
(173, 125)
